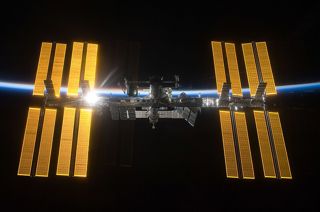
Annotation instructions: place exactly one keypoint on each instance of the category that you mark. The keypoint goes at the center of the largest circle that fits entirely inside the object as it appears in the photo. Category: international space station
(80, 101)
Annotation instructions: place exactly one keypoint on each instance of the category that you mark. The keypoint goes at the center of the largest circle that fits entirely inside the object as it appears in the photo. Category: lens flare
(91, 98)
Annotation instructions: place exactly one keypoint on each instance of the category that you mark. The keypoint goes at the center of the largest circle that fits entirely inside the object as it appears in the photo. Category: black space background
(175, 167)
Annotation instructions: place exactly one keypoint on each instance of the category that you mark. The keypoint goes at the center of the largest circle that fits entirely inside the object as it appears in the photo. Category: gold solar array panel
(234, 129)
(218, 64)
(266, 69)
(81, 162)
(233, 69)
(46, 143)
(53, 63)
(42, 69)
(29, 140)
(251, 68)
(244, 145)
(91, 63)
(75, 69)
(280, 146)
(57, 67)
(228, 145)
(264, 144)
(64, 158)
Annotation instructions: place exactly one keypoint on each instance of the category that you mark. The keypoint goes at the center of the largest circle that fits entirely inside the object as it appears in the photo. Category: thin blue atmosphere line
(284, 89)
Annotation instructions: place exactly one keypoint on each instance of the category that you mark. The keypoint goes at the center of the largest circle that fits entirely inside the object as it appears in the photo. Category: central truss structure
(77, 108)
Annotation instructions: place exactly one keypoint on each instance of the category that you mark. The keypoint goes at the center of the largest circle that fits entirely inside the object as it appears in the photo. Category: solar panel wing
(218, 62)
(251, 68)
(264, 144)
(244, 145)
(233, 69)
(280, 147)
(228, 144)
(266, 69)
(142, 114)
(81, 162)
(114, 110)
(91, 64)
(131, 113)
(42, 69)
(63, 167)
(123, 113)
(29, 140)
(75, 69)
(57, 67)
(44, 155)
